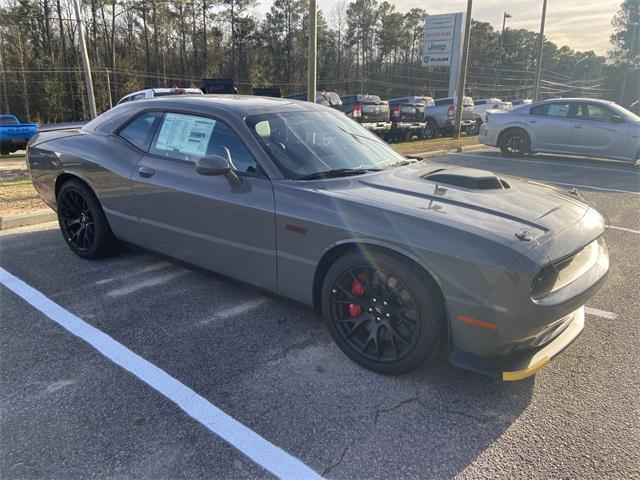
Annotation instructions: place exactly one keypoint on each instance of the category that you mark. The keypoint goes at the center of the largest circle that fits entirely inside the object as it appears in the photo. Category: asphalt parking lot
(70, 412)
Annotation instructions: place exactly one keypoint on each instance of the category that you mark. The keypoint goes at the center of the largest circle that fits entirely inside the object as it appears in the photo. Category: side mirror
(616, 119)
(213, 165)
(219, 163)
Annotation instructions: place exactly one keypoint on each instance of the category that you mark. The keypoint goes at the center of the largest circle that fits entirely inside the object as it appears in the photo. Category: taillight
(357, 110)
(451, 111)
(396, 111)
(496, 106)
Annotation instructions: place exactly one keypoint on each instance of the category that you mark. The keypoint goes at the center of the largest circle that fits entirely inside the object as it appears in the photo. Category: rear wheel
(82, 221)
(515, 143)
(383, 313)
(430, 130)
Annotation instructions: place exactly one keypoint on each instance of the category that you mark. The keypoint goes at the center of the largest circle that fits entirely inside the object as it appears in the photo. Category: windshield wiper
(408, 161)
(338, 172)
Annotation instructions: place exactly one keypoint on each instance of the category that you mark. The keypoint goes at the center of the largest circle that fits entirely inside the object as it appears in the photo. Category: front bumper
(488, 135)
(524, 363)
(377, 126)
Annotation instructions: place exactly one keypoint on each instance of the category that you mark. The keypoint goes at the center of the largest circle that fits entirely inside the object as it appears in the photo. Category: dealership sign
(441, 43)
(441, 37)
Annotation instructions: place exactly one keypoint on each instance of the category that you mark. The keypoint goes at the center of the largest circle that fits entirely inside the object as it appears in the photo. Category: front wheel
(383, 312)
(82, 221)
(515, 143)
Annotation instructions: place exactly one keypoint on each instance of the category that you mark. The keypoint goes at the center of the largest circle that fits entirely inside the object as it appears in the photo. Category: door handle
(532, 121)
(577, 126)
(146, 172)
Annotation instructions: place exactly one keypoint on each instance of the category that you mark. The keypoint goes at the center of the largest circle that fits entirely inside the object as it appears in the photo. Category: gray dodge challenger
(400, 256)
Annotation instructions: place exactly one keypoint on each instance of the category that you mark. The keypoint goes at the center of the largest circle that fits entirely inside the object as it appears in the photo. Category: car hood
(516, 211)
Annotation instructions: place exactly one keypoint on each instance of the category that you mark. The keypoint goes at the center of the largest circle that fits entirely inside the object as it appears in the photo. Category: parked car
(407, 118)
(329, 99)
(490, 104)
(368, 110)
(13, 134)
(517, 102)
(579, 126)
(440, 117)
(158, 92)
(399, 255)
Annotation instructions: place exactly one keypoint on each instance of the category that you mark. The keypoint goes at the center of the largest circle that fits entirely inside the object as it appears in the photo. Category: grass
(19, 196)
(421, 146)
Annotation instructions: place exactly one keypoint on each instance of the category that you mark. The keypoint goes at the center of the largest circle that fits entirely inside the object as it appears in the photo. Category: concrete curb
(473, 148)
(435, 153)
(24, 219)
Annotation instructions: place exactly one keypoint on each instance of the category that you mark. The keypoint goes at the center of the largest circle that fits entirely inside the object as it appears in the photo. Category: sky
(580, 24)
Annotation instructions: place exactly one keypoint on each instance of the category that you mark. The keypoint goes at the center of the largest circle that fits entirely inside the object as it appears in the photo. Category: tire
(82, 221)
(392, 318)
(515, 143)
(475, 128)
(431, 130)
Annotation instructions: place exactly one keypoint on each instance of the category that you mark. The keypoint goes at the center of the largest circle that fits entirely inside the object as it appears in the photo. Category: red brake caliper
(357, 288)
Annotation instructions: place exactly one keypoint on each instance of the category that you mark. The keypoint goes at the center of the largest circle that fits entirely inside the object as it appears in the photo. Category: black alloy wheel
(375, 314)
(515, 143)
(76, 220)
(383, 312)
(82, 221)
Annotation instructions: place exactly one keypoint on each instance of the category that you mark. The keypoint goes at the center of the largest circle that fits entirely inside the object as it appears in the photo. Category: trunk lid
(374, 109)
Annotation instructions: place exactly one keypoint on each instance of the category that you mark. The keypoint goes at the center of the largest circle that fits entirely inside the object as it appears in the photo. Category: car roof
(242, 105)
(577, 99)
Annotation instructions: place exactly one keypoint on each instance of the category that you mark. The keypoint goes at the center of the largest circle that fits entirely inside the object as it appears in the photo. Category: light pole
(85, 61)
(536, 88)
(500, 52)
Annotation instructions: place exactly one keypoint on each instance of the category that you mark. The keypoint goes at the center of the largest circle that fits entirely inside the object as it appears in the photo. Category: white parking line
(258, 449)
(591, 187)
(630, 230)
(600, 313)
(542, 162)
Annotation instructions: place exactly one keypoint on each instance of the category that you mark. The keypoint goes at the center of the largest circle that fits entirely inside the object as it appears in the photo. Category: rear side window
(140, 131)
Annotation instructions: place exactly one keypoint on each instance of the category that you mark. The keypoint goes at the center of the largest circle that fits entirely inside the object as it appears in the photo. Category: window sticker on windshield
(185, 134)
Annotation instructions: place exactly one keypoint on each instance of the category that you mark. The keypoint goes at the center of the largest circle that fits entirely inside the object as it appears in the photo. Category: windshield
(306, 143)
(623, 112)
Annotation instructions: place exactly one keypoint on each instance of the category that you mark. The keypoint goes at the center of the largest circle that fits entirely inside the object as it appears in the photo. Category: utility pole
(3, 82)
(536, 88)
(463, 71)
(106, 71)
(504, 22)
(85, 62)
(313, 51)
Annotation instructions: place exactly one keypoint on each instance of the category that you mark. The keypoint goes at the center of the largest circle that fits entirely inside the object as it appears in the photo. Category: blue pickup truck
(13, 134)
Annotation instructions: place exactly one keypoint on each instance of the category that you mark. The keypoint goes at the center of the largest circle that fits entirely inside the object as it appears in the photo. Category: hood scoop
(467, 178)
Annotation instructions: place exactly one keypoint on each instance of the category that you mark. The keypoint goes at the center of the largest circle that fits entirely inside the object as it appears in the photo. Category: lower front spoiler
(522, 364)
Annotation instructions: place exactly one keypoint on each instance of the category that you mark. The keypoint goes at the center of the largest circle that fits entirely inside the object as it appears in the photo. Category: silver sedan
(577, 126)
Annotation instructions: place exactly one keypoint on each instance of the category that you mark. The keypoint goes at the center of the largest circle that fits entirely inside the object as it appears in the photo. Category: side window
(189, 137)
(140, 131)
(241, 159)
(596, 112)
(558, 110)
(538, 109)
(183, 137)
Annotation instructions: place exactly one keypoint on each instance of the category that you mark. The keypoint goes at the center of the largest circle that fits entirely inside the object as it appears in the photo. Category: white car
(485, 105)
(159, 92)
(575, 126)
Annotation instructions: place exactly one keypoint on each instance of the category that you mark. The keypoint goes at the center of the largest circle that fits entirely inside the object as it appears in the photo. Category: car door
(595, 133)
(201, 219)
(551, 124)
